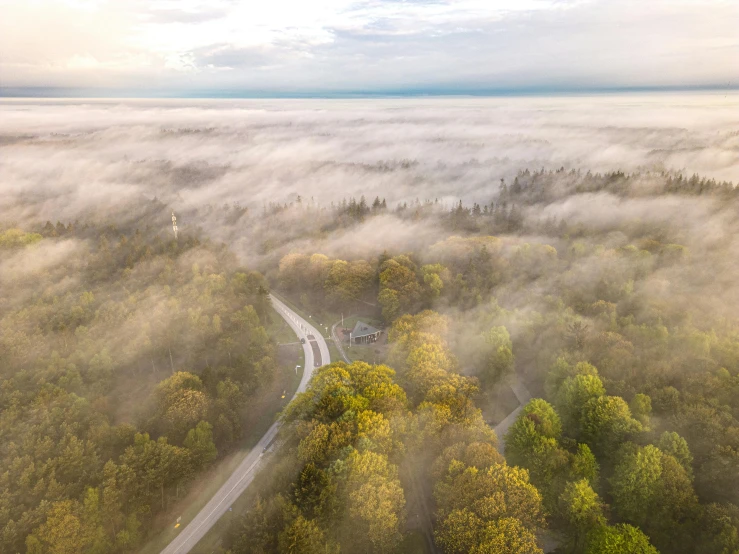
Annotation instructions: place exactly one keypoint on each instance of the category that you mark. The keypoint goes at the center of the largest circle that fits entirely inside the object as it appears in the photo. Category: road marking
(268, 436)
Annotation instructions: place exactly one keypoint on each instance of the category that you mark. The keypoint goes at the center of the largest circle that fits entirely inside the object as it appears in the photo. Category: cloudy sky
(185, 47)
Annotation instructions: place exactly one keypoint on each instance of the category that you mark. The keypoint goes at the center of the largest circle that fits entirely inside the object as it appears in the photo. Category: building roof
(362, 329)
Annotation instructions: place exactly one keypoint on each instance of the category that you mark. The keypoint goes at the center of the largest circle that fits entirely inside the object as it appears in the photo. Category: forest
(622, 325)
(130, 361)
(134, 364)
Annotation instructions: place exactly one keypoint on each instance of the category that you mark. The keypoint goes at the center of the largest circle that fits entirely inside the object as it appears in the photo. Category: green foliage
(652, 490)
(582, 511)
(635, 483)
(432, 278)
(584, 464)
(532, 442)
(485, 509)
(82, 361)
(606, 422)
(506, 535)
(400, 291)
(345, 429)
(16, 238)
(500, 357)
(673, 444)
(199, 442)
(134, 327)
(181, 403)
(302, 536)
(619, 539)
(572, 396)
(641, 408)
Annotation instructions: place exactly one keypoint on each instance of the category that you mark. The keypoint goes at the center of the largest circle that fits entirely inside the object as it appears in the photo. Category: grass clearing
(279, 330)
(375, 353)
(334, 352)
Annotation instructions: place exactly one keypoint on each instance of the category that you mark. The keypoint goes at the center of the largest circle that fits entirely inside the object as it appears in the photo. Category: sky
(300, 47)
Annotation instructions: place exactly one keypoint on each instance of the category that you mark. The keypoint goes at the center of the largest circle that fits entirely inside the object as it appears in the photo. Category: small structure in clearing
(364, 333)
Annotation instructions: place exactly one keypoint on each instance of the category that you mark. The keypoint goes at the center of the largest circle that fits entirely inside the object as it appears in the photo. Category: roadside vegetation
(129, 364)
(623, 329)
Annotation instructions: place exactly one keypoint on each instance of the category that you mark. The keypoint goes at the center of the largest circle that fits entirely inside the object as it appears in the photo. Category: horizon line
(410, 92)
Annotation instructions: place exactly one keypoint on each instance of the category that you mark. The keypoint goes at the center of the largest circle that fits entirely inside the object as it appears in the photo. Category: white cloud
(292, 45)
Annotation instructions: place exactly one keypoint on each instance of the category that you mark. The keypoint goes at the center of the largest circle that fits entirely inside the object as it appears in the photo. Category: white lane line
(303, 325)
(221, 502)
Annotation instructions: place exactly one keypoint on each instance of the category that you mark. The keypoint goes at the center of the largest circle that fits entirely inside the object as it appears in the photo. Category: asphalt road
(247, 470)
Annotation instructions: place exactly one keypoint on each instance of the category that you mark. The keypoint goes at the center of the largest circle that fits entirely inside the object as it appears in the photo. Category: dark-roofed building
(364, 333)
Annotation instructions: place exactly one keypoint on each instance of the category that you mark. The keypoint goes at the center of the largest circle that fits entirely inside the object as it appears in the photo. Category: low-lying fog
(193, 152)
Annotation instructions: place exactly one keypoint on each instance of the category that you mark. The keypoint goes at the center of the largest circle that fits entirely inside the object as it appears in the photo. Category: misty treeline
(613, 298)
(532, 203)
(128, 364)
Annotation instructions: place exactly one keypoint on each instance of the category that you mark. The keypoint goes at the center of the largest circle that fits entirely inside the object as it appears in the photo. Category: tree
(459, 532)
(111, 508)
(182, 403)
(399, 287)
(635, 482)
(606, 422)
(651, 489)
(61, 533)
(92, 524)
(373, 432)
(506, 535)
(17, 238)
(618, 539)
(544, 416)
(719, 529)
(303, 536)
(150, 467)
(561, 370)
(498, 491)
(428, 366)
(432, 278)
(532, 443)
(376, 499)
(199, 442)
(673, 444)
(500, 357)
(672, 525)
(293, 268)
(577, 333)
(309, 489)
(641, 408)
(582, 510)
(573, 394)
(389, 300)
(486, 511)
(584, 465)
(347, 282)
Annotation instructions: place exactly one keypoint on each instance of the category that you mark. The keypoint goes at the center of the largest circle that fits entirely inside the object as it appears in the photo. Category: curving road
(245, 473)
